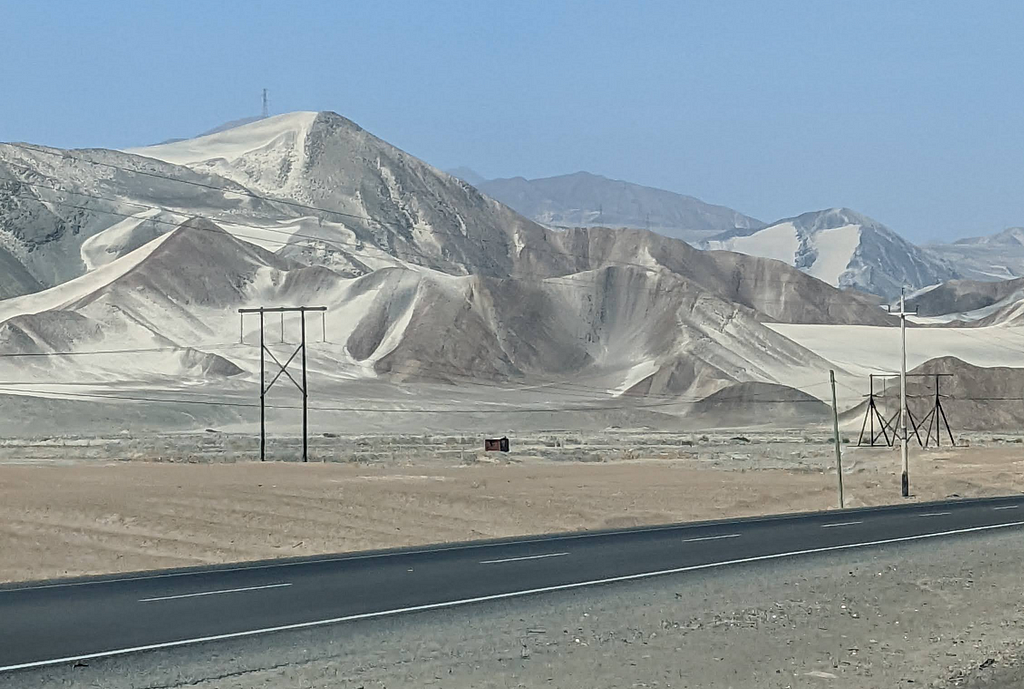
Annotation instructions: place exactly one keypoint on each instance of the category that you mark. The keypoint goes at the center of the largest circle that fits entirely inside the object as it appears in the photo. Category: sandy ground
(901, 616)
(96, 516)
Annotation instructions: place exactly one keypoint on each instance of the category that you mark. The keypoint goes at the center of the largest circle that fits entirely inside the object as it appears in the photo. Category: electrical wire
(473, 410)
(114, 352)
(505, 409)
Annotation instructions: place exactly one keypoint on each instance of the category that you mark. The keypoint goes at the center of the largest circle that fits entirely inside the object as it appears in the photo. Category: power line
(450, 371)
(18, 387)
(563, 387)
(472, 410)
(114, 352)
(966, 332)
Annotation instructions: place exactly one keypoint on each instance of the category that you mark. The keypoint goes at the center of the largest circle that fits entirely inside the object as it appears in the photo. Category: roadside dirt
(87, 517)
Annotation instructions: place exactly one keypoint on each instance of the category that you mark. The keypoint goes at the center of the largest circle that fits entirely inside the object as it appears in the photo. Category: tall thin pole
(839, 448)
(305, 394)
(263, 393)
(905, 478)
(871, 403)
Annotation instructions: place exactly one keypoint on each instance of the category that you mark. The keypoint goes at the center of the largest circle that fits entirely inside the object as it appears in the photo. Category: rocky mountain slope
(468, 175)
(356, 195)
(1010, 237)
(583, 199)
(843, 248)
(15, 280)
(315, 182)
(425, 278)
(66, 213)
(629, 329)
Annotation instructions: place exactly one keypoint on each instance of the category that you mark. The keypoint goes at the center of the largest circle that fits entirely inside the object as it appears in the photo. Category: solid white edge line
(711, 538)
(829, 526)
(497, 596)
(214, 593)
(518, 559)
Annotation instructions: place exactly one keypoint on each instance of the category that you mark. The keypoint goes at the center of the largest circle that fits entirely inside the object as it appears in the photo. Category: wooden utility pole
(305, 391)
(263, 393)
(839, 446)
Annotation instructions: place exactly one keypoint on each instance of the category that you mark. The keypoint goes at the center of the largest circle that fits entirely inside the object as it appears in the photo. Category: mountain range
(440, 298)
(999, 256)
(426, 280)
(840, 246)
(583, 199)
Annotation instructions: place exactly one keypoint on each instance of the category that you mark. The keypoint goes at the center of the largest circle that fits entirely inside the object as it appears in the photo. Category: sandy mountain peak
(844, 248)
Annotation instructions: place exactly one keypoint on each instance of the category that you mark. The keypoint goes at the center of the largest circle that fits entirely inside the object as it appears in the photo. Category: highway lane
(61, 622)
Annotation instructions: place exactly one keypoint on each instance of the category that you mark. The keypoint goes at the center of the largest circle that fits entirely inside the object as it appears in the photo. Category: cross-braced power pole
(937, 416)
(932, 418)
(282, 368)
(871, 413)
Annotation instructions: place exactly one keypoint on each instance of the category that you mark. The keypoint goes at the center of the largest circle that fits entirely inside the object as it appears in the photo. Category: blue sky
(910, 112)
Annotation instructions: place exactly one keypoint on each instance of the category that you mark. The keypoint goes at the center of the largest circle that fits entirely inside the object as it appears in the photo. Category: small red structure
(496, 444)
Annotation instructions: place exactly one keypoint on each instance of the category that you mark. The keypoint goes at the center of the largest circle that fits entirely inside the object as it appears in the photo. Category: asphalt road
(60, 622)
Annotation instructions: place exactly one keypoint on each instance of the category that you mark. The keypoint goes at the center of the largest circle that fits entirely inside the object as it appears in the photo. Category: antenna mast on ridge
(266, 105)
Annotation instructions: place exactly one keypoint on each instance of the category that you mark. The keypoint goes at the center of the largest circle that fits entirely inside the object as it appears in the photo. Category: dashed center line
(1006, 507)
(934, 514)
(829, 526)
(517, 559)
(711, 538)
(214, 593)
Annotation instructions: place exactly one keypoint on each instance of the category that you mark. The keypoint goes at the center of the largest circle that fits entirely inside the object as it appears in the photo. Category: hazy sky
(910, 112)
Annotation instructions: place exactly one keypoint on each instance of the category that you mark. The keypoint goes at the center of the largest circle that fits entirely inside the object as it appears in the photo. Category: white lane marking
(710, 538)
(1006, 507)
(498, 596)
(214, 593)
(517, 559)
(829, 526)
(399, 553)
(934, 514)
